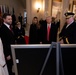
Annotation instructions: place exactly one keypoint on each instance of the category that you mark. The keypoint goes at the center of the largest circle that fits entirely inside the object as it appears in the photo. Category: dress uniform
(68, 33)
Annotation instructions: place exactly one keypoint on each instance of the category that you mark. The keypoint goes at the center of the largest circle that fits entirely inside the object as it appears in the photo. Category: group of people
(14, 19)
(42, 32)
(46, 31)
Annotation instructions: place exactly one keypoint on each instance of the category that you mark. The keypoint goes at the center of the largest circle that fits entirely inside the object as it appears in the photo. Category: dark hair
(35, 17)
(5, 15)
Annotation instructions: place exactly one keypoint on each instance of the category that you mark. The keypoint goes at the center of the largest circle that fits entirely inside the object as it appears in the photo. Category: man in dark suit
(49, 31)
(7, 38)
(68, 33)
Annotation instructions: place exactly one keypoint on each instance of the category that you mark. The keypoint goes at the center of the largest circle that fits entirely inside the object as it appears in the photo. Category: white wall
(13, 3)
(32, 11)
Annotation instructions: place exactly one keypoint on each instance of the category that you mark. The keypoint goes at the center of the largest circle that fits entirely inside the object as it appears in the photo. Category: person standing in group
(68, 32)
(68, 36)
(49, 31)
(7, 37)
(35, 32)
(3, 66)
(20, 34)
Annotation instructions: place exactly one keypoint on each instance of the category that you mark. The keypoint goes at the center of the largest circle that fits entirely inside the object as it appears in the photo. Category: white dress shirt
(69, 24)
(48, 25)
(7, 25)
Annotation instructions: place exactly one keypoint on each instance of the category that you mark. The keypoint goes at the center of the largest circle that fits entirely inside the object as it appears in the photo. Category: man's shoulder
(3, 28)
(3, 25)
(73, 24)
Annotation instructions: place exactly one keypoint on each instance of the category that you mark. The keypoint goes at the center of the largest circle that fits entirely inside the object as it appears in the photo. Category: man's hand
(61, 41)
(40, 42)
(8, 57)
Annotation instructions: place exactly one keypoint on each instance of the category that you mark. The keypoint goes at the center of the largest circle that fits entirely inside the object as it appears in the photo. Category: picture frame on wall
(74, 7)
(56, 8)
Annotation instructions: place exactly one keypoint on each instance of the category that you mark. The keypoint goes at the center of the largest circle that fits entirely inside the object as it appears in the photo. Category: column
(71, 5)
(46, 8)
(50, 7)
(28, 10)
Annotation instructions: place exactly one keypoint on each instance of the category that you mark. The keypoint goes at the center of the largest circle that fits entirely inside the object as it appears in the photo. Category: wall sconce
(38, 10)
(38, 6)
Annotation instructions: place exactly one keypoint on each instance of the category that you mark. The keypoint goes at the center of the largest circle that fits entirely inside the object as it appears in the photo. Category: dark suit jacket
(69, 34)
(19, 34)
(53, 33)
(7, 38)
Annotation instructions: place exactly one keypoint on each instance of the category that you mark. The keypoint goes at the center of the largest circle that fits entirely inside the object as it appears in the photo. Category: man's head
(48, 19)
(69, 17)
(7, 18)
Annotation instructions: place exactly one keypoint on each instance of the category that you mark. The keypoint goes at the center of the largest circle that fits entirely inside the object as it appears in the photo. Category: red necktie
(48, 32)
(10, 28)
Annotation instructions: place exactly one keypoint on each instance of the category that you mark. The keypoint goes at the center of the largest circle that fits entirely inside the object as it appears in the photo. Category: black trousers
(9, 66)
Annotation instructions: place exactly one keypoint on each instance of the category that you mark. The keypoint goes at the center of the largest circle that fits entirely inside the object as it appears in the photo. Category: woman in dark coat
(19, 34)
(35, 32)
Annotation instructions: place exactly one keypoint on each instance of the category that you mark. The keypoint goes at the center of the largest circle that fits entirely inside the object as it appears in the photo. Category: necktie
(10, 28)
(48, 33)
